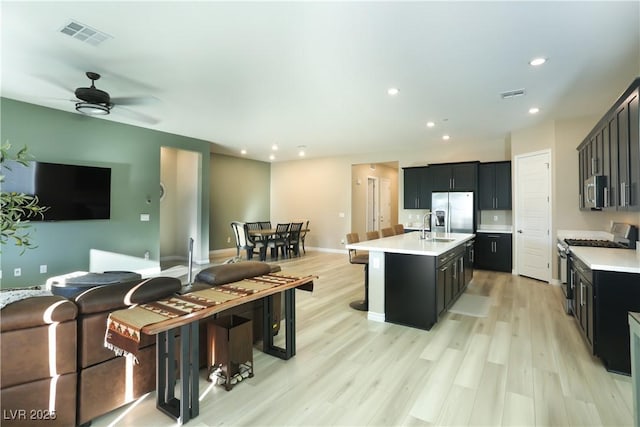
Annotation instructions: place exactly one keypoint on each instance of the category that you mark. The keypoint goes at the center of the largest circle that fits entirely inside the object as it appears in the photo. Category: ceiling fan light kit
(93, 109)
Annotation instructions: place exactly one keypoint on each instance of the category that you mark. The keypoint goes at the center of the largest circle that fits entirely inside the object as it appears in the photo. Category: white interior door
(372, 203)
(385, 203)
(533, 215)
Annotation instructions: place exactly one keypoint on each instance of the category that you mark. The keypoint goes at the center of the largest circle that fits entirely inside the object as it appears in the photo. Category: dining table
(266, 234)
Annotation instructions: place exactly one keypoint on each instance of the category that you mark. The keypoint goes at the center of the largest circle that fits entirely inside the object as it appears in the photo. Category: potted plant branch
(16, 208)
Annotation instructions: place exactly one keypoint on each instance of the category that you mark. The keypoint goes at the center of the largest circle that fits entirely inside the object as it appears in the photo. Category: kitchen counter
(619, 260)
(407, 276)
(411, 243)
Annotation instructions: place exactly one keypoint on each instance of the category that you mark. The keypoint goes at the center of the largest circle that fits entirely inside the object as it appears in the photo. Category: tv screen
(71, 192)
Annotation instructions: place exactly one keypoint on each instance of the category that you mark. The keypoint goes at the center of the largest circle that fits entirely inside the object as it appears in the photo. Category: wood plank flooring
(525, 364)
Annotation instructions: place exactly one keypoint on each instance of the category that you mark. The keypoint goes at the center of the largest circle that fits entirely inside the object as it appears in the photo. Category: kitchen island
(412, 281)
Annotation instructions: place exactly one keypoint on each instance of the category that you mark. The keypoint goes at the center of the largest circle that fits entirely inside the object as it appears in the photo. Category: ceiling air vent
(512, 93)
(84, 33)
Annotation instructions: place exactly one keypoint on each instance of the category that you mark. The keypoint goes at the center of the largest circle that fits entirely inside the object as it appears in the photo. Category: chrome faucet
(423, 234)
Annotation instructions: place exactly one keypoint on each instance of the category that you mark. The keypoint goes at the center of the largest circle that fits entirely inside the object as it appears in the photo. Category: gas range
(624, 236)
(595, 243)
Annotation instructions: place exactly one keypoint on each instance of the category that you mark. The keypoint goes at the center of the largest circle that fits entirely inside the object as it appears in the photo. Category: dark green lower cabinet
(493, 251)
(419, 289)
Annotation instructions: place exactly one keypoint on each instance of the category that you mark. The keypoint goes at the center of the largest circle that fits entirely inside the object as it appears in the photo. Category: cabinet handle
(571, 280)
(454, 183)
(594, 166)
(606, 197)
(624, 190)
(581, 293)
(472, 255)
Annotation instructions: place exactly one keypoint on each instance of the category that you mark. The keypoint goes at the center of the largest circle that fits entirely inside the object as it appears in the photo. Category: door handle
(520, 231)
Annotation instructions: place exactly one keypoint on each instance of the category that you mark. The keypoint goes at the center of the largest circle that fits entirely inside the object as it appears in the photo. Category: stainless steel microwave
(594, 192)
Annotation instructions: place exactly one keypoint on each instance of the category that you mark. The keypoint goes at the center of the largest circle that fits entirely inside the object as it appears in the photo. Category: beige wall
(321, 189)
(317, 190)
(359, 175)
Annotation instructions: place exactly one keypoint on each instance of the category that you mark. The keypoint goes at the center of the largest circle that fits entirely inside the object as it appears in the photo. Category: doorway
(374, 196)
(179, 202)
(533, 215)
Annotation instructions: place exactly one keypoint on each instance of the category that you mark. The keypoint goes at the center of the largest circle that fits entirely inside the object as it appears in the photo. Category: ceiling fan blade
(55, 82)
(135, 115)
(135, 100)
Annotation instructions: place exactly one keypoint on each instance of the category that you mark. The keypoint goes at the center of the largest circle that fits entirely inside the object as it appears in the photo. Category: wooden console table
(187, 407)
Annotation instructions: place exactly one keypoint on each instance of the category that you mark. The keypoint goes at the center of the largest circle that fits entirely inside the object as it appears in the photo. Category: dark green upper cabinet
(494, 186)
(417, 191)
(612, 149)
(454, 176)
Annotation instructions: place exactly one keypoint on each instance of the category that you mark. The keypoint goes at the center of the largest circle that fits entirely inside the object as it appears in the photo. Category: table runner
(124, 326)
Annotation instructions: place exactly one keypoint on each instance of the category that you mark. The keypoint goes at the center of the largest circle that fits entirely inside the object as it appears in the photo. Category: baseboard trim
(376, 317)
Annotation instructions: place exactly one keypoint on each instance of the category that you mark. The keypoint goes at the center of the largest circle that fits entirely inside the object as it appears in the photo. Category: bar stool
(363, 259)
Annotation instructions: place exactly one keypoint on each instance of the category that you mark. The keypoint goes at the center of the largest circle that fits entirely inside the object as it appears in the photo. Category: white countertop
(507, 229)
(411, 243)
(620, 260)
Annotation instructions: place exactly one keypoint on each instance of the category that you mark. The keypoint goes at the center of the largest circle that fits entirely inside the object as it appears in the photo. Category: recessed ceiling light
(430, 124)
(533, 110)
(272, 157)
(536, 62)
(393, 91)
(243, 151)
(301, 150)
(301, 153)
(274, 147)
(446, 137)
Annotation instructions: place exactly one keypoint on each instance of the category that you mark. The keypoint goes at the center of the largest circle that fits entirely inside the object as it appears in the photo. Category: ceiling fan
(93, 101)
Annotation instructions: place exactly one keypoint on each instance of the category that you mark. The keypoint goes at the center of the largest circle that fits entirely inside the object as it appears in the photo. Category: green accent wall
(240, 191)
(133, 154)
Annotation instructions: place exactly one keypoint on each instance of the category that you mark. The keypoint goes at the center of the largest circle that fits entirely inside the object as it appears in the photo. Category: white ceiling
(248, 75)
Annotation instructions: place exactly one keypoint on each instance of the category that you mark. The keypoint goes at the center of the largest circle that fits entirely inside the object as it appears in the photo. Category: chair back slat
(372, 235)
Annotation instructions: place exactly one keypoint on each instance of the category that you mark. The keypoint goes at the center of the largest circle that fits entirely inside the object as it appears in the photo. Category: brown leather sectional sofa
(54, 368)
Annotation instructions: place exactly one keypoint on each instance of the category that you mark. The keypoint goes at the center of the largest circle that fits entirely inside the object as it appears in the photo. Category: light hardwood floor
(524, 364)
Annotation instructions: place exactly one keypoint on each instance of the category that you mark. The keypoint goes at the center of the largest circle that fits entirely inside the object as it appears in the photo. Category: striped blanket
(124, 326)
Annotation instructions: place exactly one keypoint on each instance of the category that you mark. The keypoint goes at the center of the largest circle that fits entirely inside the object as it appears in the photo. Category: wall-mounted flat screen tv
(71, 192)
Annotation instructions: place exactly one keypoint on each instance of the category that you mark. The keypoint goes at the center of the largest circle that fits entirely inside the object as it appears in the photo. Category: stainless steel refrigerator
(452, 212)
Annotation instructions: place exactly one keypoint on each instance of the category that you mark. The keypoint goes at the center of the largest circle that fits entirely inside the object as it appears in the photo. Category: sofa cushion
(228, 273)
(32, 354)
(122, 295)
(37, 311)
(29, 404)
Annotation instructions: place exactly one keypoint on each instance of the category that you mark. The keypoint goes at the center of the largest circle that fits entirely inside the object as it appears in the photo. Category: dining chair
(398, 229)
(279, 240)
(254, 226)
(362, 258)
(372, 235)
(303, 235)
(293, 239)
(265, 225)
(387, 231)
(241, 233)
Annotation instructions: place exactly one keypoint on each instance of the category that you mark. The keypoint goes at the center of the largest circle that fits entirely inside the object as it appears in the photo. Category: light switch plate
(144, 217)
